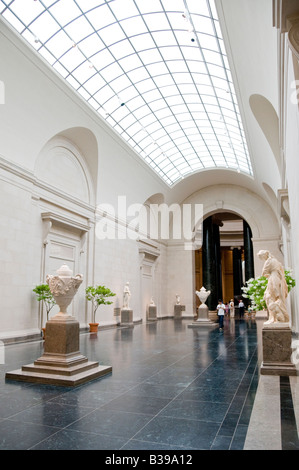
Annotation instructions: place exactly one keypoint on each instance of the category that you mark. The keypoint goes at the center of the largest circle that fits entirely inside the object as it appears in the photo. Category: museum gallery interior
(149, 168)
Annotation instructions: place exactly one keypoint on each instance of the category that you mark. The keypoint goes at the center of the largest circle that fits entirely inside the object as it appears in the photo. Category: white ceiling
(157, 71)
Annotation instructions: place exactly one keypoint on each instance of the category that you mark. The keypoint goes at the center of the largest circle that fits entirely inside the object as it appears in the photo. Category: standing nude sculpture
(277, 290)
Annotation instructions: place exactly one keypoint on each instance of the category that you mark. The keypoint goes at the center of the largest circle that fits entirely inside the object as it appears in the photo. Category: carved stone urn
(203, 294)
(64, 287)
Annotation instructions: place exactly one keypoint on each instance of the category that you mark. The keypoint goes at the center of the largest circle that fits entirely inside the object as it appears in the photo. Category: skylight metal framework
(156, 71)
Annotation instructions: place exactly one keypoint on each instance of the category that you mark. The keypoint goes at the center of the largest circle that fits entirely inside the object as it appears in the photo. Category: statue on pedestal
(277, 289)
(126, 297)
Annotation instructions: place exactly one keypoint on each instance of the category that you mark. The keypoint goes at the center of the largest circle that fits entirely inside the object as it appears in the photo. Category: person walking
(220, 311)
(241, 308)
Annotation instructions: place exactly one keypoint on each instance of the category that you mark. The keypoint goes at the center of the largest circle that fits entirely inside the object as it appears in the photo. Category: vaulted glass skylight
(156, 71)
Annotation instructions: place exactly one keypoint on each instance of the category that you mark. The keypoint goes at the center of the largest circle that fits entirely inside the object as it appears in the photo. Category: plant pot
(44, 333)
(93, 327)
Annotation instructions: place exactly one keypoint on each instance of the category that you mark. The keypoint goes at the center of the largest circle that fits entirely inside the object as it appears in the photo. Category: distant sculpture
(203, 294)
(126, 296)
(277, 290)
(152, 302)
(178, 299)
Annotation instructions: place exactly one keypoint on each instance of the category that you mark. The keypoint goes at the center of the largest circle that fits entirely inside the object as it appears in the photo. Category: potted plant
(255, 290)
(44, 294)
(98, 296)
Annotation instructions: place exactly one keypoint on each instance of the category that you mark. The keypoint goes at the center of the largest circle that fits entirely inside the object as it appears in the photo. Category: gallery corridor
(172, 388)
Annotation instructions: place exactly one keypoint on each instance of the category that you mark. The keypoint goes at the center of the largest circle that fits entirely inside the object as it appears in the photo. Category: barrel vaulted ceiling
(156, 71)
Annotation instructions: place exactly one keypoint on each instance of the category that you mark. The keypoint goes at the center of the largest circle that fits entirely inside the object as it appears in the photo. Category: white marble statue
(203, 294)
(277, 289)
(126, 297)
(178, 299)
(64, 287)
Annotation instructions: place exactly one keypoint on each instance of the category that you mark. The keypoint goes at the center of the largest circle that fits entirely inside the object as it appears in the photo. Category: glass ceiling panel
(156, 70)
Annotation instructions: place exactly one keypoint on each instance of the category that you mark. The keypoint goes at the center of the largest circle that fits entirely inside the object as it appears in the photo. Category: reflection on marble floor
(171, 388)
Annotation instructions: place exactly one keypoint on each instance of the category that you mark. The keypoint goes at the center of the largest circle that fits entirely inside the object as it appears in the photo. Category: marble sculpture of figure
(126, 296)
(277, 289)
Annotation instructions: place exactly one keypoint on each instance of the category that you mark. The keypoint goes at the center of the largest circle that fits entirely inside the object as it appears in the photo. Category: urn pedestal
(62, 363)
(202, 318)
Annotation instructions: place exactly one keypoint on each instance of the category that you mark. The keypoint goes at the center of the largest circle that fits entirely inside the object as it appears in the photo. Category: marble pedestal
(277, 351)
(62, 363)
(178, 309)
(126, 317)
(202, 318)
(152, 313)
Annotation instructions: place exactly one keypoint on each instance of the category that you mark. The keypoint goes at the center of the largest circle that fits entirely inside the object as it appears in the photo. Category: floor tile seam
(177, 447)
(289, 423)
(49, 426)
(239, 414)
(159, 413)
(41, 402)
(162, 409)
(216, 359)
(170, 418)
(165, 368)
(73, 431)
(11, 418)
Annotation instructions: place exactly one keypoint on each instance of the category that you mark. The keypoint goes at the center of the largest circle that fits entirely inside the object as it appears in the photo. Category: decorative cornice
(283, 205)
(58, 219)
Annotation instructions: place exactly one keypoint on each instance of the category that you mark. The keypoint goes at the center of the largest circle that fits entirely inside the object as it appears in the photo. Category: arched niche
(151, 221)
(271, 195)
(68, 163)
(268, 121)
(65, 182)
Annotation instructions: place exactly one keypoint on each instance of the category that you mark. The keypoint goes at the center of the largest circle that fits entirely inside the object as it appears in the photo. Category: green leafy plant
(98, 296)
(43, 294)
(255, 290)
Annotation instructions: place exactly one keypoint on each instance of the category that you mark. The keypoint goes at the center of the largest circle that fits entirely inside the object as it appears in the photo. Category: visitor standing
(232, 308)
(220, 310)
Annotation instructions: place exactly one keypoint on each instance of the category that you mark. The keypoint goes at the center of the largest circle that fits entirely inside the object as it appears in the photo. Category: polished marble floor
(172, 388)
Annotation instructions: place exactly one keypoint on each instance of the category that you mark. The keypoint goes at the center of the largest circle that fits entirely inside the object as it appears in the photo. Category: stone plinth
(277, 351)
(62, 363)
(152, 313)
(126, 317)
(178, 309)
(202, 318)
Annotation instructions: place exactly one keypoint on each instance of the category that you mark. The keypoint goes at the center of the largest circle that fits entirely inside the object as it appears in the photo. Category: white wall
(292, 171)
(38, 108)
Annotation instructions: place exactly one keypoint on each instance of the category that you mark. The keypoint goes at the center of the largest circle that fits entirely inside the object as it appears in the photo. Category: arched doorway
(224, 262)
